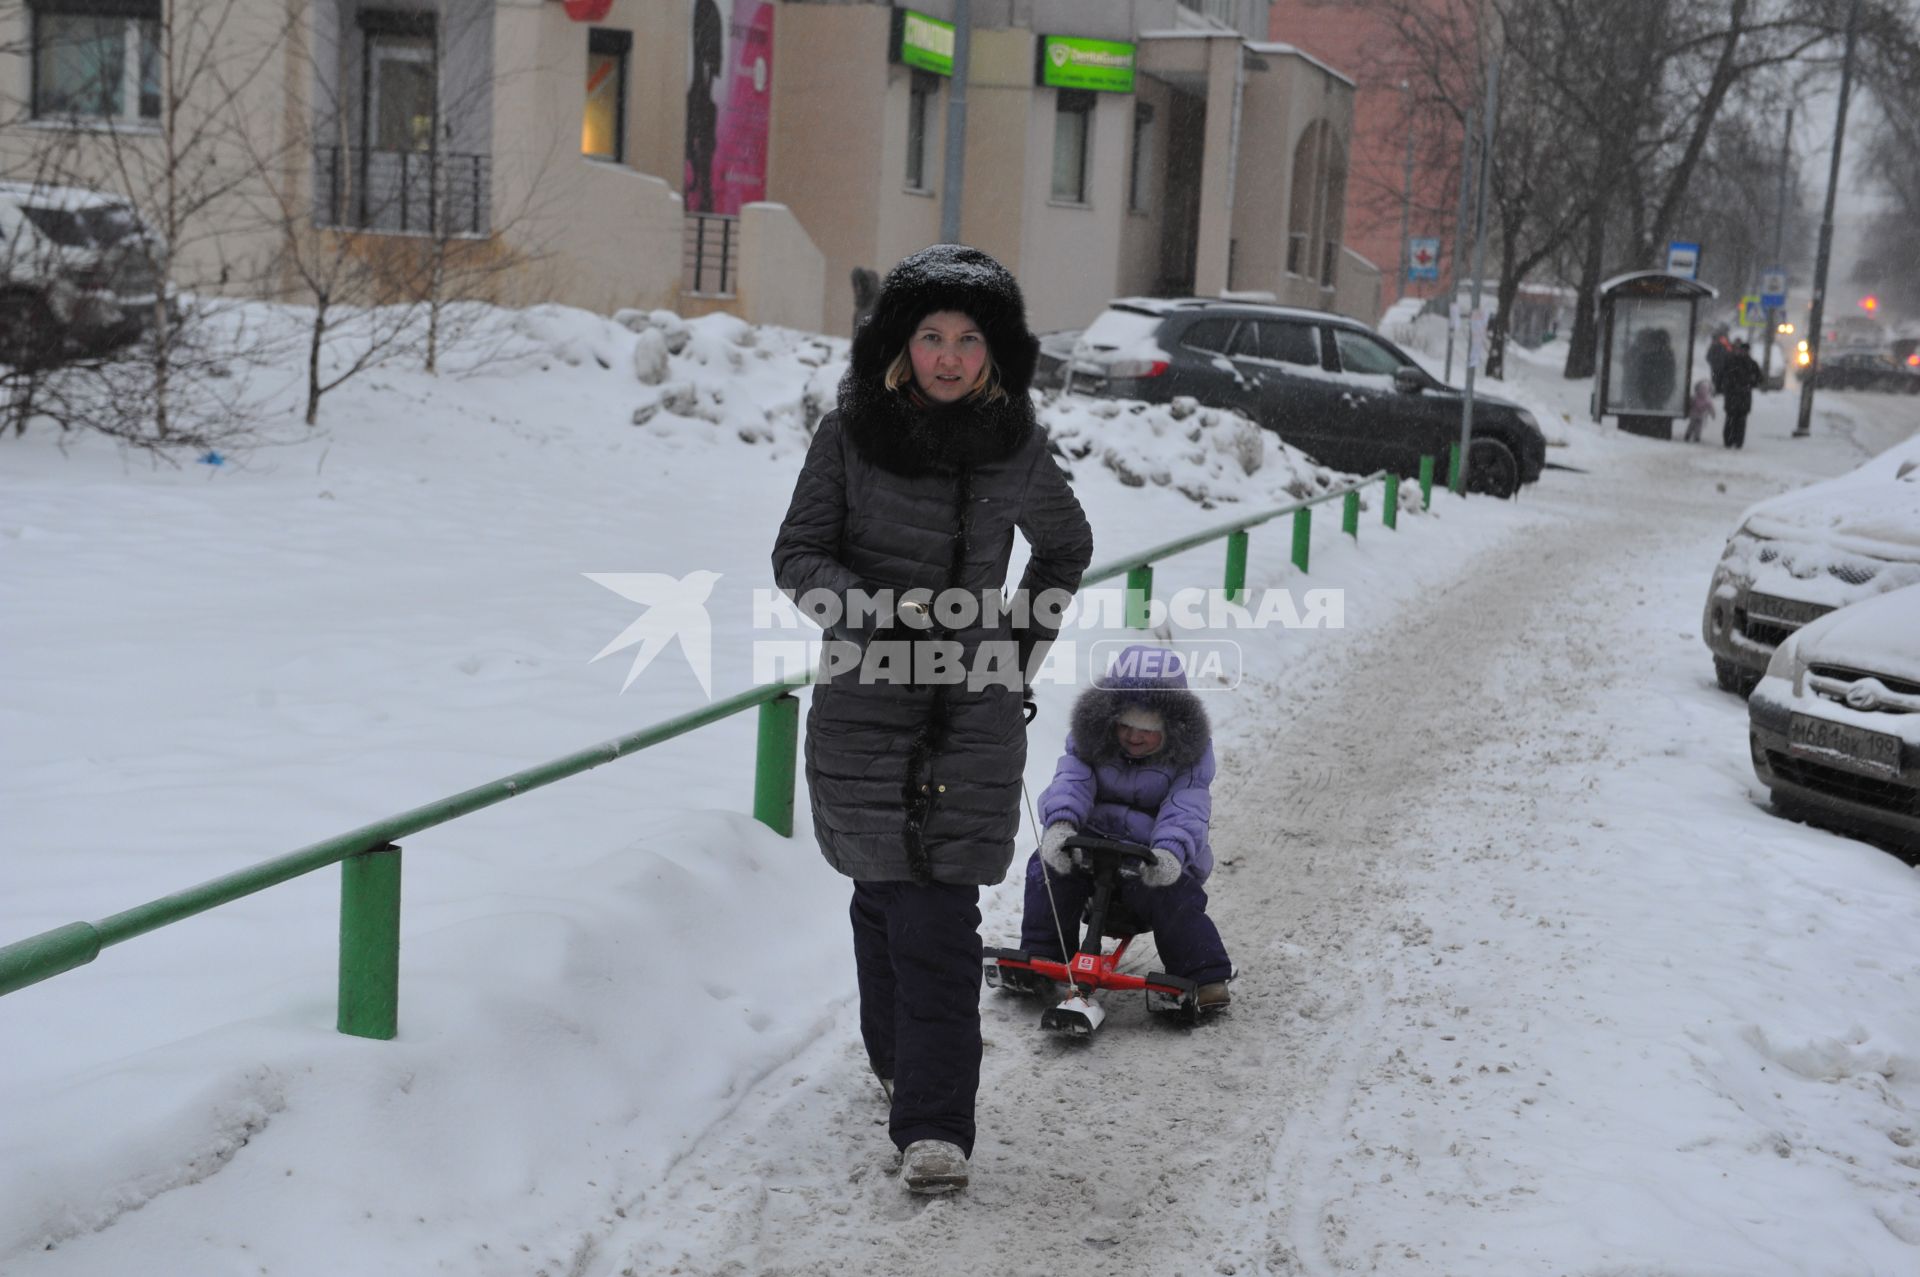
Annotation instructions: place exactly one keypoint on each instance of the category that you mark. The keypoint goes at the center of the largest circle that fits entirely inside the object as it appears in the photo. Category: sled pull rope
(1046, 875)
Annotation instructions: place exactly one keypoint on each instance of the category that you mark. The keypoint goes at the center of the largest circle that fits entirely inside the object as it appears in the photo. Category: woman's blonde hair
(987, 387)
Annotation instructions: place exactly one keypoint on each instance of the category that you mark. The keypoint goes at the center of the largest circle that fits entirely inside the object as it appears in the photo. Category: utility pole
(1479, 267)
(1406, 196)
(1459, 239)
(1818, 318)
(955, 166)
(1779, 245)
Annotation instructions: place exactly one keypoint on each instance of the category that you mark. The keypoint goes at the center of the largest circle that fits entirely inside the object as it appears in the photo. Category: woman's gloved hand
(1164, 871)
(1053, 852)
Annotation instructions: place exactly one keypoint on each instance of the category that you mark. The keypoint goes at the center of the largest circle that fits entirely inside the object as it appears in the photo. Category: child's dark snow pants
(1188, 941)
(917, 951)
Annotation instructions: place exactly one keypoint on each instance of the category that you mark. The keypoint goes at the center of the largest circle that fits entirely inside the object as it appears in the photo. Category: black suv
(1329, 386)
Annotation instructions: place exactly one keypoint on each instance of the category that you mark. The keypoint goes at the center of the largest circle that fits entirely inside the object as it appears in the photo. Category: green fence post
(370, 943)
(1237, 566)
(1302, 534)
(773, 763)
(1350, 514)
(1426, 483)
(1390, 512)
(1139, 596)
(1456, 482)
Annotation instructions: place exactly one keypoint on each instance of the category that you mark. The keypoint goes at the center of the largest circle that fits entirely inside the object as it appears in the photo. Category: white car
(1800, 555)
(1835, 723)
(78, 269)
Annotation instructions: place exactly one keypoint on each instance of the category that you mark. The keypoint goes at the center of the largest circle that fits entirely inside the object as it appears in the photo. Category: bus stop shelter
(1649, 321)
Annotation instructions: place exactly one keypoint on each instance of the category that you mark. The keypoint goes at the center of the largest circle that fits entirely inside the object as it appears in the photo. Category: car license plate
(1844, 745)
(1792, 613)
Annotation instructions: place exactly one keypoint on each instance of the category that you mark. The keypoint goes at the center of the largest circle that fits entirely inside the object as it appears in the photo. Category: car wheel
(1492, 469)
(29, 330)
(1733, 677)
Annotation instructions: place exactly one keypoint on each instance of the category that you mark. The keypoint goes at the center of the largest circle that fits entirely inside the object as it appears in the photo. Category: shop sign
(921, 41)
(1071, 62)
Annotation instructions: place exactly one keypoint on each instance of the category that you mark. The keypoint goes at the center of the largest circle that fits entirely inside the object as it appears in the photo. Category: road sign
(1683, 259)
(1423, 258)
(1753, 311)
(1773, 288)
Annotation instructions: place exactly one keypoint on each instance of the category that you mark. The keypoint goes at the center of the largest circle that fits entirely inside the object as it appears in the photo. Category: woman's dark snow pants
(917, 951)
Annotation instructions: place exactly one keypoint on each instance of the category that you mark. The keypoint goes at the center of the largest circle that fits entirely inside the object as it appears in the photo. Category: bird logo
(676, 608)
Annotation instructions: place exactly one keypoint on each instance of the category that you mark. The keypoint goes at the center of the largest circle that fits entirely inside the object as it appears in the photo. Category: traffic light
(1869, 303)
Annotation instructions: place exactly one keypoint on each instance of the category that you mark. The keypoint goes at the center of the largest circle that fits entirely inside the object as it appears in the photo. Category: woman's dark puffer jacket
(911, 782)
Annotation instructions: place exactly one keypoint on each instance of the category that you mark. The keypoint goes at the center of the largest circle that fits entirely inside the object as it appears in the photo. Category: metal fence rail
(370, 855)
(711, 254)
(403, 192)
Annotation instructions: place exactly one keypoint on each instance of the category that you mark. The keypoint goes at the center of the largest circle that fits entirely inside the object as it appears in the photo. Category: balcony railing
(711, 257)
(403, 192)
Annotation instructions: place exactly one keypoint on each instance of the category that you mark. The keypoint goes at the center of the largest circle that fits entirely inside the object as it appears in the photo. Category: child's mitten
(1053, 852)
(1164, 871)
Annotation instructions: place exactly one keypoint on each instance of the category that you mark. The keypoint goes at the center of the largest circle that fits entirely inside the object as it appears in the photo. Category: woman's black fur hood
(887, 426)
(1097, 709)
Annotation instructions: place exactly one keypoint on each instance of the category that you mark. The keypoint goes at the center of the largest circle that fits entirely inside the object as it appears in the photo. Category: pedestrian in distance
(1739, 379)
(1138, 767)
(1718, 351)
(1699, 409)
(916, 482)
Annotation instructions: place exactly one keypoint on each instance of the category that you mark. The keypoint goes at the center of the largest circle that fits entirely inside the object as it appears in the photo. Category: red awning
(588, 10)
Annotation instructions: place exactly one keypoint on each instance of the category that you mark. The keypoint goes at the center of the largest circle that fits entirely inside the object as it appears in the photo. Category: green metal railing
(370, 857)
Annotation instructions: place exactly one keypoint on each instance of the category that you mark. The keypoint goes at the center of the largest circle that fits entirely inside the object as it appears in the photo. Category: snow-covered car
(78, 269)
(1800, 555)
(1835, 723)
(1326, 384)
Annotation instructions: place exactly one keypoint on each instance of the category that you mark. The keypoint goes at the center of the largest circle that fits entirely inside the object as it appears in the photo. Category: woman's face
(948, 351)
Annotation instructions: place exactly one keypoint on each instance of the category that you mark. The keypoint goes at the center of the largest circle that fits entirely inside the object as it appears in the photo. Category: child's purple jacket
(1160, 801)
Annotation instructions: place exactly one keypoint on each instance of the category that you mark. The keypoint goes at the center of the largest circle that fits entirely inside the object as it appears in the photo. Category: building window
(1140, 176)
(96, 60)
(603, 129)
(402, 80)
(919, 102)
(1072, 132)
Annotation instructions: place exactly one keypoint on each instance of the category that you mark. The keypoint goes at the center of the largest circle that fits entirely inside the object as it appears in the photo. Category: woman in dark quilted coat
(916, 483)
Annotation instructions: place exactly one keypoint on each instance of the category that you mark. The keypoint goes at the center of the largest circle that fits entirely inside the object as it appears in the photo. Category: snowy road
(1402, 1084)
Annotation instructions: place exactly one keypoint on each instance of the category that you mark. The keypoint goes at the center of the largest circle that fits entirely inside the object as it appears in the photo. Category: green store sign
(920, 41)
(1070, 62)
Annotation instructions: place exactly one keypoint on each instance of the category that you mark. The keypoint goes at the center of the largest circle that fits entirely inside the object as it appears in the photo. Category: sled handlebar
(1121, 852)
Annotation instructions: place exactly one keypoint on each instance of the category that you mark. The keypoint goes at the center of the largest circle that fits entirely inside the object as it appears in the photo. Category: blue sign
(1773, 288)
(1423, 258)
(1683, 259)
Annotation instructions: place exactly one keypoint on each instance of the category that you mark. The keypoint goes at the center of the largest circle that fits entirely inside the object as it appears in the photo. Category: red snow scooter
(1092, 969)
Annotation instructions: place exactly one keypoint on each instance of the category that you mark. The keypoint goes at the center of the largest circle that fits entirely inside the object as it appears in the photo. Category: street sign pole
(955, 161)
(1775, 309)
(1479, 269)
(1459, 242)
(1818, 315)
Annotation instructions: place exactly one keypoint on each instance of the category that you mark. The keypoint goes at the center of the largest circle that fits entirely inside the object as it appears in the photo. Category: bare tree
(152, 109)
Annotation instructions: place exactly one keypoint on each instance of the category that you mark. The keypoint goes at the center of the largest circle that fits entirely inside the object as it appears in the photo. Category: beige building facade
(1113, 147)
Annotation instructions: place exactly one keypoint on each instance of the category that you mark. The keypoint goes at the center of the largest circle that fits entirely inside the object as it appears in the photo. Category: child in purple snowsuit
(1699, 409)
(1137, 767)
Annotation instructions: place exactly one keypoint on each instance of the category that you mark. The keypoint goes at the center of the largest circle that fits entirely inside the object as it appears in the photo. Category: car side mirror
(1409, 380)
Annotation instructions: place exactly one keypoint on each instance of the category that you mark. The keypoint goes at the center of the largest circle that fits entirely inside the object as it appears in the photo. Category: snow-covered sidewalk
(1500, 822)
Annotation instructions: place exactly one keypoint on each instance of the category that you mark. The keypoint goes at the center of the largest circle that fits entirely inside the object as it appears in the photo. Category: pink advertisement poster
(729, 95)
